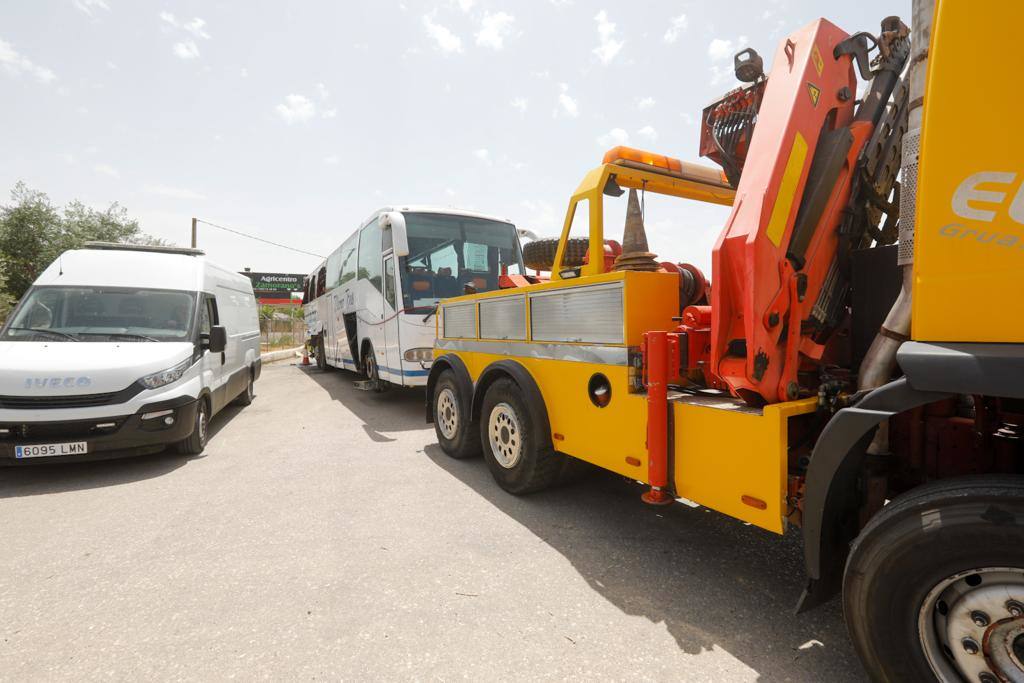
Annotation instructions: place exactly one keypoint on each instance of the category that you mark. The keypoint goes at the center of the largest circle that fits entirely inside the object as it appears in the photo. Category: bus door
(392, 362)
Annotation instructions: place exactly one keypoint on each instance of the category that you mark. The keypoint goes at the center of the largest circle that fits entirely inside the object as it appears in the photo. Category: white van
(123, 350)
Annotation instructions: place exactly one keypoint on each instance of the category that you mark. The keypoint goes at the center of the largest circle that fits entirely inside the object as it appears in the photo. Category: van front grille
(69, 400)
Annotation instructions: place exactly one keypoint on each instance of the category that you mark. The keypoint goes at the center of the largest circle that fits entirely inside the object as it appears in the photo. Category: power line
(258, 239)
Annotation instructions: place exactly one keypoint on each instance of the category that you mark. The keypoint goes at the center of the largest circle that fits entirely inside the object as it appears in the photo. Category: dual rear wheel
(504, 431)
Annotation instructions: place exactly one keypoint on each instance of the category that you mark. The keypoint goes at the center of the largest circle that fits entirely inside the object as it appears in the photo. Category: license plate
(48, 450)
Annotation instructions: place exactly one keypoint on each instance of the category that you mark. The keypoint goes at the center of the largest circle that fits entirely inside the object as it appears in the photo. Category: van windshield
(69, 314)
(448, 253)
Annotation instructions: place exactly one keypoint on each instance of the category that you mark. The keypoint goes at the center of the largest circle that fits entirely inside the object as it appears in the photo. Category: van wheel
(510, 443)
(196, 441)
(458, 435)
(245, 398)
(934, 585)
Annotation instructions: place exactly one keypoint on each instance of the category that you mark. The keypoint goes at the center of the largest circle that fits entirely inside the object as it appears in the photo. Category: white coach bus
(370, 306)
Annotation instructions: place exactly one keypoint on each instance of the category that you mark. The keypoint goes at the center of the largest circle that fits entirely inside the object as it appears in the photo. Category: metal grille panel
(584, 314)
(503, 318)
(460, 320)
(908, 196)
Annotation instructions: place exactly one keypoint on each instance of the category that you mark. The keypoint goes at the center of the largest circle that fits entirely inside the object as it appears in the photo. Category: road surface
(324, 535)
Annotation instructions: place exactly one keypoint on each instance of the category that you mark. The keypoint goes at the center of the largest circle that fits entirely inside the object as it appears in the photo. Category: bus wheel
(510, 442)
(321, 353)
(370, 370)
(934, 584)
(456, 432)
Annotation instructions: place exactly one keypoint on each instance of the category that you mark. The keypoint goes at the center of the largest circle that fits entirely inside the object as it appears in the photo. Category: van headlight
(173, 374)
(423, 355)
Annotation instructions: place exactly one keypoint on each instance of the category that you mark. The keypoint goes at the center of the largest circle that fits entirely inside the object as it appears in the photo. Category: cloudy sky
(296, 120)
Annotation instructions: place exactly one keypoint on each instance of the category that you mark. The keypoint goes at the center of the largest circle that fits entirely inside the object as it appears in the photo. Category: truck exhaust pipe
(880, 360)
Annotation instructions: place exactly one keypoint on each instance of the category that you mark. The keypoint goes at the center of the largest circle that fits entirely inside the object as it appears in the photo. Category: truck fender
(522, 377)
(831, 498)
(450, 361)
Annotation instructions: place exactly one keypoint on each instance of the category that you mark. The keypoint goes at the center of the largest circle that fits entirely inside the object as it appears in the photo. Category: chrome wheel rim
(504, 435)
(971, 626)
(447, 413)
(202, 424)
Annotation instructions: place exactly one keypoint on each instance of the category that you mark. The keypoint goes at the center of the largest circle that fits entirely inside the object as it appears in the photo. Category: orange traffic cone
(305, 356)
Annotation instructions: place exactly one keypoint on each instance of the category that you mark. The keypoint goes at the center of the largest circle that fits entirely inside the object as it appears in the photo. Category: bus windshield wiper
(432, 313)
(43, 330)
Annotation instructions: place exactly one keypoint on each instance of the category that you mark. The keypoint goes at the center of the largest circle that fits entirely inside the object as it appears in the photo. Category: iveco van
(123, 350)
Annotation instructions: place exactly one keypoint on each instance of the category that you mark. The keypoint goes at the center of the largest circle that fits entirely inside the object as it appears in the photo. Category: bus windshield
(450, 255)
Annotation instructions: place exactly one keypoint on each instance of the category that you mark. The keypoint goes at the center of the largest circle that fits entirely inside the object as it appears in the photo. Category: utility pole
(193, 232)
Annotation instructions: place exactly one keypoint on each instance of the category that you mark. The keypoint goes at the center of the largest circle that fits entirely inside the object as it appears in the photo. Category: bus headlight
(173, 374)
(424, 355)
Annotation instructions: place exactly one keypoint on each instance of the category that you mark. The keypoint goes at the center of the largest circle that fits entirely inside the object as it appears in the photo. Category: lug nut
(970, 646)
(1015, 608)
(979, 618)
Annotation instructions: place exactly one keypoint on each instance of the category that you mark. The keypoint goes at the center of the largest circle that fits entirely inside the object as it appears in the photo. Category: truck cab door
(392, 362)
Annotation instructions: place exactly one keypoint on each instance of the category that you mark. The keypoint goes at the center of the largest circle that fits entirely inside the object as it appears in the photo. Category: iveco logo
(56, 382)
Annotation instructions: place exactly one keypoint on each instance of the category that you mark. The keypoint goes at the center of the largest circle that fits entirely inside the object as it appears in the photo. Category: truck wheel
(934, 584)
(456, 432)
(196, 441)
(510, 443)
(245, 398)
(540, 254)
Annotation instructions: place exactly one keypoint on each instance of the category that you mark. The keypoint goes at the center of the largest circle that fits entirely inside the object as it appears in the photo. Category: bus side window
(369, 255)
(389, 282)
(321, 282)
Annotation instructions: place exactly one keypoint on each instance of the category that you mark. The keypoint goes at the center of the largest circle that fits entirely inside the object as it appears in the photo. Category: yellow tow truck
(855, 364)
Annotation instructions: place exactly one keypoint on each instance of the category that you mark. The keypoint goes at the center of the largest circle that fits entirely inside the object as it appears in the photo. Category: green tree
(30, 238)
(33, 232)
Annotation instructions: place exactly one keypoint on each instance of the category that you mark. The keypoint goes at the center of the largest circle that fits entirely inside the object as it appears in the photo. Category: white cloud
(168, 18)
(645, 103)
(446, 40)
(195, 27)
(520, 103)
(449, 191)
(465, 5)
(675, 26)
(720, 49)
(296, 109)
(107, 170)
(17, 64)
(68, 158)
(568, 104)
(329, 113)
(613, 138)
(243, 72)
(494, 29)
(332, 160)
(186, 50)
(648, 133)
(322, 91)
(174, 192)
(88, 6)
(542, 217)
(608, 47)
(483, 155)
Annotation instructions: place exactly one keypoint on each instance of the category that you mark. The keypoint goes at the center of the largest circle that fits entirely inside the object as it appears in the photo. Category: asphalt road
(324, 535)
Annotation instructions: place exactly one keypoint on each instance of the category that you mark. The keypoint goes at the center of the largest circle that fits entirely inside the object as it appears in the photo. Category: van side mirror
(395, 222)
(218, 339)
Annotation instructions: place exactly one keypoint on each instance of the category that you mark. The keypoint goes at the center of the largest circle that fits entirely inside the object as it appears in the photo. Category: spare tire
(540, 254)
